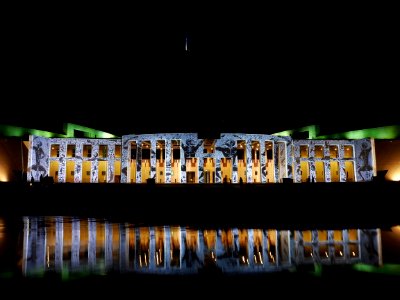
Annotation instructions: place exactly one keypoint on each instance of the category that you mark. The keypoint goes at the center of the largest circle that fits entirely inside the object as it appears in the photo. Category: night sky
(284, 68)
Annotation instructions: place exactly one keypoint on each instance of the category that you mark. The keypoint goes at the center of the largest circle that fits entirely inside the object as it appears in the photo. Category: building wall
(354, 157)
(352, 160)
(40, 158)
(192, 147)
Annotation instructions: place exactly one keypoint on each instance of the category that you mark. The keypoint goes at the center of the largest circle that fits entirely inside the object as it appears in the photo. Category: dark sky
(125, 70)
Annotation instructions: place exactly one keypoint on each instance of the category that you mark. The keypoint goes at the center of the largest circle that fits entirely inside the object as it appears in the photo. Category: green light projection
(386, 132)
(8, 130)
(69, 128)
(313, 131)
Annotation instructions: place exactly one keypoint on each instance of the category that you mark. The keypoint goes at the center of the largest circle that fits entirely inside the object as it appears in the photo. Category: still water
(35, 246)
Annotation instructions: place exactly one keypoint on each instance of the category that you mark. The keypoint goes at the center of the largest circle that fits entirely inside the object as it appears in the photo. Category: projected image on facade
(184, 158)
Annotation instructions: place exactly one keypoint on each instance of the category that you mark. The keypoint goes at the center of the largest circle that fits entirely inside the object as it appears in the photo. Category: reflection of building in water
(99, 246)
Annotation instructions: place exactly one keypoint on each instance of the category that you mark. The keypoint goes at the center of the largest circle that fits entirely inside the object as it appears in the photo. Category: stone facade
(351, 160)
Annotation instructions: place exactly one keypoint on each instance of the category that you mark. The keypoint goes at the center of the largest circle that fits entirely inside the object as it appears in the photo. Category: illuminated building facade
(76, 245)
(184, 158)
(90, 156)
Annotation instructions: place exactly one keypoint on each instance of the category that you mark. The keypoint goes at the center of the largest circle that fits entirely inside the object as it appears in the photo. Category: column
(370, 246)
(123, 248)
(31, 247)
(78, 162)
(183, 163)
(263, 161)
(182, 244)
(249, 162)
(41, 247)
(138, 161)
(91, 243)
(200, 248)
(342, 169)
(296, 164)
(315, 246)
(234, 164)
(289, 160)
(276, 162)
(95, 164)
(27, 246)
(284, 246)
(282, 160)
(137, 248)
(250, 246)
(152, 250)
(265, 253)
(126, 161)
(110, 163)
(153, 160)
(200, 171)
(167, 247)
(59, 244)
(76, 236)
(331, 246)
(277, 248)
(218, 176)
(346, 250)
(62, 169)
(327, 164)
(299, 244)
(108, 255)
(168, 161)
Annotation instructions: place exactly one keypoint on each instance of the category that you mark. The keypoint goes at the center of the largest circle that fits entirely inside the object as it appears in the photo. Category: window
(304, 151)
(333, 151)
(55, 150)
(103, 151)
(117, 151)
(71, 150)
(87, 150)
(348, 151)
(319, 151)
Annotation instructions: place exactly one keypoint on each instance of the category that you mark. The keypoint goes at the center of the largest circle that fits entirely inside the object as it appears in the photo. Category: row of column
(79, 159)
(280, 154)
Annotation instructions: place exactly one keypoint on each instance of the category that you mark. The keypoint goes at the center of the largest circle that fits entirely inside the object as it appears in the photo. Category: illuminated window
(71, 150)
(304, 151)
(117, 151)
(348, 151)
(87, 150)
(333, 151)
(55, 150)
(318, 151)
(103, 151)
(353, 234)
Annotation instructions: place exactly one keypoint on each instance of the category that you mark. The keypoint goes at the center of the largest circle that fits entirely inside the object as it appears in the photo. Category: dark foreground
(286, 205)
(341, 280)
